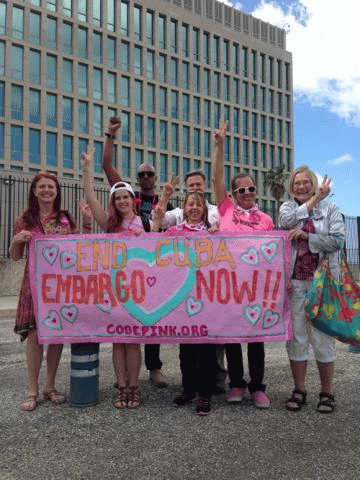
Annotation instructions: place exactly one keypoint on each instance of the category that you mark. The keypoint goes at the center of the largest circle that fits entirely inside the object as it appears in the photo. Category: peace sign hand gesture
(220, 133)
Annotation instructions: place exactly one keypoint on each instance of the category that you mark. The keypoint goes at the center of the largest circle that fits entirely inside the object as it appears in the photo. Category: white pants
(305, 334)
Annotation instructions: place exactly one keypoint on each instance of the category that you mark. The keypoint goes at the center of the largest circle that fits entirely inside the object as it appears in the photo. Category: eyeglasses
(148, 174)
(243, 190)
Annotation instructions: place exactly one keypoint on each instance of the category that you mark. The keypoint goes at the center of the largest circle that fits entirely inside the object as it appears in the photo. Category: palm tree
(276, 179)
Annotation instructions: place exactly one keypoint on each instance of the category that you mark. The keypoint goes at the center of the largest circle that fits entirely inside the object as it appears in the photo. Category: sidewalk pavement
(161, 442)
(8, 306)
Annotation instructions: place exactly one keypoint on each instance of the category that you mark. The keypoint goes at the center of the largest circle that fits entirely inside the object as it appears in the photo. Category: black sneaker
(203, 406)
(183, 399)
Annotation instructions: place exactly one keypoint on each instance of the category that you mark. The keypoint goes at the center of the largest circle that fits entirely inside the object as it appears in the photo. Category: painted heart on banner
(251, 256)
(151, 281)
(52, 321)
(270, 319)
(50, 253)
(193, 306)
(106, 306)
(69, 313)
(160, 301)
(252, 313)
(67, 259)
(269, 251)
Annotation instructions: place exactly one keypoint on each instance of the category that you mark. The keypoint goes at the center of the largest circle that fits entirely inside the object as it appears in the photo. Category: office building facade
(170, 69)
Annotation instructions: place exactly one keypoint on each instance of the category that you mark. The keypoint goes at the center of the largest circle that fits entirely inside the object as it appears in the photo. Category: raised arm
(97, 210)
(218, 163)
(112, 175)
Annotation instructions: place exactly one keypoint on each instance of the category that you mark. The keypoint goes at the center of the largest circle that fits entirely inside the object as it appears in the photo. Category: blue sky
(326, 76)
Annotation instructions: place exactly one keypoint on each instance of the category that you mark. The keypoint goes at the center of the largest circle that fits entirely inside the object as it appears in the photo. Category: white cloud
(345, 158)
(322, 36)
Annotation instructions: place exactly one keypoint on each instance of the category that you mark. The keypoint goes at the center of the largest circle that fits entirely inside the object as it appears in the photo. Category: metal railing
(14, 196)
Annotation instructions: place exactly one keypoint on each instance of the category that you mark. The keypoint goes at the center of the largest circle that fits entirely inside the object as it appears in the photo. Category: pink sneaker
(235, 395)
(260, 399)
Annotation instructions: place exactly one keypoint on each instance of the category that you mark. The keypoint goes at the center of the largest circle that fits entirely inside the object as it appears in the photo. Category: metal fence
(14, 196)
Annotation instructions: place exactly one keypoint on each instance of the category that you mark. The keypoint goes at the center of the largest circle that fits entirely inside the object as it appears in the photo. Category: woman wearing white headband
(121, 217)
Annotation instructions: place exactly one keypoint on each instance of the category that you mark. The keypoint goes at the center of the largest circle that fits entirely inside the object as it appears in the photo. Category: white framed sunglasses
(243, 190)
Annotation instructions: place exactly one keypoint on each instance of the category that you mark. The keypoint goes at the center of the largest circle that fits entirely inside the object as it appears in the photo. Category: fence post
(9, 181)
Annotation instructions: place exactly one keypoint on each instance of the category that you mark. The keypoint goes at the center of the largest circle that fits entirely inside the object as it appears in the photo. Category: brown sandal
(30, 403)
(121, 400)
(54, 397)
(134, 397)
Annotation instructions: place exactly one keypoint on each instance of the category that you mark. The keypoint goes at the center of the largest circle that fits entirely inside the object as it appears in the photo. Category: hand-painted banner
(161, 289)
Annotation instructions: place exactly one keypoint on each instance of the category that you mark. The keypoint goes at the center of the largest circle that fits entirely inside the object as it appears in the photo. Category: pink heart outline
(250, 257)
(252, 313)
(50, 253)
(270, 319)
(193, 306)
(151, 281)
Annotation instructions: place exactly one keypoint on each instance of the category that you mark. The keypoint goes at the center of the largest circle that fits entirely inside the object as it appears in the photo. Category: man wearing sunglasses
(240, 214)
(146, 200)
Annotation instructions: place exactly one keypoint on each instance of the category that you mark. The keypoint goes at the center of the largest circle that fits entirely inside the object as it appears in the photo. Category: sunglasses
(148, 174)
(243, 190)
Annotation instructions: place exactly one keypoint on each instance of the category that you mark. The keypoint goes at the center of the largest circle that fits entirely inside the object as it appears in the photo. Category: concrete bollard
(84, 376)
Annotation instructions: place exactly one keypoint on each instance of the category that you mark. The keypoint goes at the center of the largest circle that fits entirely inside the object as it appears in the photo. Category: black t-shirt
(144, 206)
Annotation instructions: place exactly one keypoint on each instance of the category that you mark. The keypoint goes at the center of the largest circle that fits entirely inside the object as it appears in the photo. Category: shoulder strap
(146, 224)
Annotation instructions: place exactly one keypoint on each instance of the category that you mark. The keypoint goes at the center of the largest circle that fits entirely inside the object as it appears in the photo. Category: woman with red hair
(121, 217)
(42, 215)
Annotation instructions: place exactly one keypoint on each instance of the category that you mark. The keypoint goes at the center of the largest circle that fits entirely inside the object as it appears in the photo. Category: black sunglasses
(148, 174)
(243, 190)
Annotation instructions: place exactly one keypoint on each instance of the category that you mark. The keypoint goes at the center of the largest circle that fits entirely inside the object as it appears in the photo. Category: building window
(263, 127)
(185, 167)
(51, 71)
(162, 68)
(262, 66)
(2, 58)
(150, 27)
(287, 105)
(97, 83)
(151, 158)
(254, 125)
(226, 55)
(34, 67)
(67, 75)
(138, 60)
(34, 106)
(227, 177)
(236, 93)
(1, 140)
(235, 57)
(245, 61)
(263, 99)
(207, 169)
(162, 31)
(236, 118)
(287, 76)
(151, 135)
(280, 131)
(163, 101)
(217, 114)
(196, 44)
(186, 107)
(2, 18)
(98, 120)
(83, 145)
(196, 79)
(111, 87)
(226, 87)
(174, 137)
(263, 156)
(288, 133)
(2, 99)
(206, 47)
(216, 51)
(196, 109)
(139, 129)
(138, 158)
(279, 103)
(51, 110)
(17, 61)
(185, 75)
(51, 37)
(96, 13)
(271, 70)
(163, 134)
(245, 94)
(34, 146)
(67, 38)
(185, 39)
(124, 56)
(174, 101)
(254, 147)
(253, 96)
(163, 168)
(137, 23)
(246, 152)
(17, 102)
(207, 113)
(197, 149)
(271, 129)
(51, 149)
(83, 117)
(206, 82)
(150, 65)
(34, 27)
(82, 10)
(111, 49)
(174, 71)
(271, 101)
(67, 113)
(186, 139)
(279, 73)
(207, 144)
(18, 23)
(245, 122)
(138, 95)
(98, 156)
(216, 84)
(236, 150)
(125, 158)
(175, 165)
(97, 47)
(83, 80)
(125, 127)
(67, 151)
(173, 36)
(151, 98)
(124, 19)
(253, 65)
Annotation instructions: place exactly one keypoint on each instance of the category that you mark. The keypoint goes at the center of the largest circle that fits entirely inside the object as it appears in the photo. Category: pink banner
(161, 289)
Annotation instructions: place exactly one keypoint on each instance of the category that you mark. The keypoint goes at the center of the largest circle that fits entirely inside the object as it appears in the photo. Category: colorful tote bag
(334, 306)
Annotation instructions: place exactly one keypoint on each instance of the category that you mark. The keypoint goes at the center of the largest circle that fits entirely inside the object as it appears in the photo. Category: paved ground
(160, 442)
